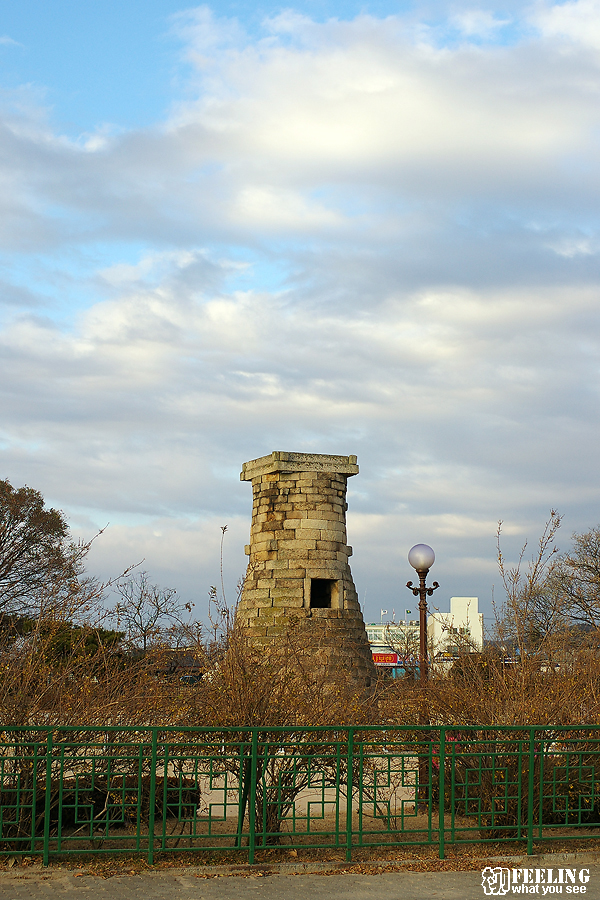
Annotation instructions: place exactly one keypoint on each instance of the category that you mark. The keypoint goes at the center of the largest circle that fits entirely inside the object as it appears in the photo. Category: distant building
(456, 631)
(395, 645)
(383, 632)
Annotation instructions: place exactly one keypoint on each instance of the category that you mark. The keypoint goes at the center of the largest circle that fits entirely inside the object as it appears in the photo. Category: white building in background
(384, 633)
(448, 634)
(394, 645)
(461, 629)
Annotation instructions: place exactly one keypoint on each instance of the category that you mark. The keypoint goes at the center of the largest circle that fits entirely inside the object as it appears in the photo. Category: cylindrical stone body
(298, 568)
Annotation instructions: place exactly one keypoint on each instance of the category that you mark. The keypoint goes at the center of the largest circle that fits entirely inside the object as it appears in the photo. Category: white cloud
(360, 100)
(479, 23)
(578, 21)
(267, 207)
(571, 247)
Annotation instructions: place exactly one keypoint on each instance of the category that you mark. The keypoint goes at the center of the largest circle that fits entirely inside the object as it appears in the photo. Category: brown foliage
(64, 668)
(35, 549)
(282, 683)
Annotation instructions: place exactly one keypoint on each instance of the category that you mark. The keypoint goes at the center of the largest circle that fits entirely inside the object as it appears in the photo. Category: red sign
(385, 659)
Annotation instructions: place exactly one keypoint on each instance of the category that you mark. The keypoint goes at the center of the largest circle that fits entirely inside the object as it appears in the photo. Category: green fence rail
(154, 790)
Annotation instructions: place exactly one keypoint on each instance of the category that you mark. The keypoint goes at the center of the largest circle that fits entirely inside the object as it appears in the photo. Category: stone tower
(298, 568)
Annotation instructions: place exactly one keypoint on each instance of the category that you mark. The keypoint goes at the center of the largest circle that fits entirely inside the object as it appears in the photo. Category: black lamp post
(421, 557)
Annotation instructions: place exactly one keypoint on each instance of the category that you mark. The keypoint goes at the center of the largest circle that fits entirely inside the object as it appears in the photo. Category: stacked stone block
(298, 571)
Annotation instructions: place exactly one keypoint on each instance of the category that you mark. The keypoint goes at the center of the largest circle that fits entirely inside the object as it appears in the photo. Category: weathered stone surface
(298, 571)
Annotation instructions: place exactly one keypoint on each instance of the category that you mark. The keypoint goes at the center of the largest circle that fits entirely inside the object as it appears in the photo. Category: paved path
(63, 885)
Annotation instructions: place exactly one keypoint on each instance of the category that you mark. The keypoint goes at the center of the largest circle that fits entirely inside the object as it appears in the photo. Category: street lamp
(421, 557)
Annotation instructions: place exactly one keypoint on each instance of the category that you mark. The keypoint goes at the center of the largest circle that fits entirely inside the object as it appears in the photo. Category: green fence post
(530, 791)
(252, 804)
(244, 784)
(47, 800)
(349, 790)
(442, 790)
(34, 798)
(338, 783)
(151, 810)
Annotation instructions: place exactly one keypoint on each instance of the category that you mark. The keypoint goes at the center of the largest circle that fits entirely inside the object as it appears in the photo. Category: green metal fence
(149, 790)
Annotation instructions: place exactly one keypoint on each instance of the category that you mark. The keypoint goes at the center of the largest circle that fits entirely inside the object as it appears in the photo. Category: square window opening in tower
(322, 593)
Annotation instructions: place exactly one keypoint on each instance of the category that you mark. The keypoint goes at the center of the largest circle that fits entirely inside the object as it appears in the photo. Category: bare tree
(147, 613)
(533, 610)
(405, 643)
(576, 579)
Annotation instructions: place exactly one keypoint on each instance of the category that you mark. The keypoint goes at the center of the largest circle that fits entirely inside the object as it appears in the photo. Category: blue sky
(334, 227)
(120, 62)
(113, 62)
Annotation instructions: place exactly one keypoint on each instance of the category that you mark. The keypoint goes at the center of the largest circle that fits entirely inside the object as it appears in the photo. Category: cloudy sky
(339, 227)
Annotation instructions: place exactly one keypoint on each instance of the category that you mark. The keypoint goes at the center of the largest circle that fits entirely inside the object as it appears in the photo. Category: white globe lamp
(421, 557)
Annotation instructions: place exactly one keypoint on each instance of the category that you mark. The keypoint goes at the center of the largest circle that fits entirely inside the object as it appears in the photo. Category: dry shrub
(282, 683)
